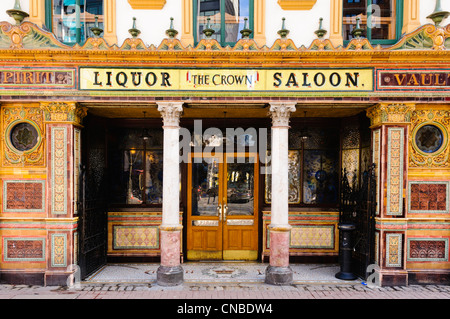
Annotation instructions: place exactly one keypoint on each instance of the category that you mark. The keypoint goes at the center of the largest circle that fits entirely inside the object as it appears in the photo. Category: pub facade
(225, 140)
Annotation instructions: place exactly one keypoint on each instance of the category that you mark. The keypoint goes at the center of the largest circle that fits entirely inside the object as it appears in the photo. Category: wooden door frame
(222, 227)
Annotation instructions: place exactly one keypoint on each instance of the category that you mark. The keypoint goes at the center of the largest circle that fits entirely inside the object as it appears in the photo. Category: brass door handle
(219, 211)
(225, 212)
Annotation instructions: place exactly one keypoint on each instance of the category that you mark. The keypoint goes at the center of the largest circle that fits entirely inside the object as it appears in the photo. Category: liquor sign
(272, 80)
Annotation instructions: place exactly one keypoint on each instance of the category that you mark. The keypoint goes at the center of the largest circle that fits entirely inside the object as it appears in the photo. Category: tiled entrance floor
(217, 272)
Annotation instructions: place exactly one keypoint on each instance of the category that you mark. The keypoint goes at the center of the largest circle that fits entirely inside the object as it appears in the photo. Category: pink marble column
(170, 272)
(278, 272)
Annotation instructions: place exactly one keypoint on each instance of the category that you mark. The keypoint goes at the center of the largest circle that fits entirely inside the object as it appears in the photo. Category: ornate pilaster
(279, 272)
(170, 272)
(390, 125)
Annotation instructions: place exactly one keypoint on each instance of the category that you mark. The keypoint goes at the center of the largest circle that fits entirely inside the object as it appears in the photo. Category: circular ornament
(23, 136)
(429, 138)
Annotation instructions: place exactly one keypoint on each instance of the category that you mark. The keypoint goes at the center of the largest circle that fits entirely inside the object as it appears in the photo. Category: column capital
(171, 113)
(281, 112)
(63, 112)
(390, 113)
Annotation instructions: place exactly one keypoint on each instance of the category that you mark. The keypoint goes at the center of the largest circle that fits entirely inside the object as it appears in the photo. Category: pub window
(380, 19)
(226, 19)
(313, 167)
(71, 20)
(136, 158)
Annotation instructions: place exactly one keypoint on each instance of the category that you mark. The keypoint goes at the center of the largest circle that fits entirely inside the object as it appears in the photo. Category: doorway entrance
(222, 206)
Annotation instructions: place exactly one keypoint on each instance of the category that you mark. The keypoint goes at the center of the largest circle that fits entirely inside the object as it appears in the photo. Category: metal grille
(93, 216)
(357, 206)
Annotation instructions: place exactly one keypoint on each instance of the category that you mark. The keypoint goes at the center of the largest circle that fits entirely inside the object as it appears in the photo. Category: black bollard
(346, 248)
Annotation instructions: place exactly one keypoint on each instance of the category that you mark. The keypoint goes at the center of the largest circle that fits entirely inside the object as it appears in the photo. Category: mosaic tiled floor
(200, 272)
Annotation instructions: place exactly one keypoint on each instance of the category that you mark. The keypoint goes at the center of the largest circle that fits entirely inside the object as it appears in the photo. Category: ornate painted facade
(387, 105)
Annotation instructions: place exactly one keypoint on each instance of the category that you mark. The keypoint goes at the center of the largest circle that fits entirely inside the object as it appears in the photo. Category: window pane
(377, 18)
(134, 168)
(240, 187)
(235, 12)
(205, 187)
(208, 9)
(383, 19)
(320, 184)
(353, 9)
(232, 12)
(64, 18)
(153, 177)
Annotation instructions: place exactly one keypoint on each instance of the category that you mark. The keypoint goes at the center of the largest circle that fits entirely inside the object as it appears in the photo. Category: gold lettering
(423, 79)
(399, 82)
(411, 82)
(8, 75)
(27, 76)
(437, 79)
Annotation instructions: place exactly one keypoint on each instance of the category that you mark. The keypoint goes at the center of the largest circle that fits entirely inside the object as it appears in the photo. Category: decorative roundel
(429, 138)
(23, 136)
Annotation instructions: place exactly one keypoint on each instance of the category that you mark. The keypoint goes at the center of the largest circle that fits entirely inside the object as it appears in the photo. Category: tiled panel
(24, 196)
(427, 249)
(429, 197)
(312, 237)
(135, 237)
(23, 249)
(394, 250)
(59, 178)
(395, 171)
(59, 250)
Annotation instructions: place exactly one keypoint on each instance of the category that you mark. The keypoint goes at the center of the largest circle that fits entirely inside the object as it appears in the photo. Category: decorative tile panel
(23, 249)
(59, 250)
(312, 237)
(135, 237)
(427, 249)
(76, 168)
(395, 172)
(24, 196)
(376, 147)
(429, 197)
(59, 170)
(394, 250)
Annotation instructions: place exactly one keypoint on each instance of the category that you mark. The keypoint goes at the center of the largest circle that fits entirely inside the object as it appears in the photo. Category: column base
(345, 275)
(279, 275)
(169, 276)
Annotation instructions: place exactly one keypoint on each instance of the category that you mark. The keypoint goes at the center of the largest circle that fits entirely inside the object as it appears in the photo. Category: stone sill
(296, 4)
(147, 4)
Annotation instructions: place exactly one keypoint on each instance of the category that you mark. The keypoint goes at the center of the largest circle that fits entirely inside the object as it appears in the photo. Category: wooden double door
(222, 221)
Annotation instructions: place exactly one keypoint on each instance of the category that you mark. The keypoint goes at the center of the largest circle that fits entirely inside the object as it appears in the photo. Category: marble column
(170, 272)
(278, 272)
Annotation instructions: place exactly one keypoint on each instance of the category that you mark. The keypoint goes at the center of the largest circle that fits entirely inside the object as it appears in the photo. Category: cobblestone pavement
(225, 291)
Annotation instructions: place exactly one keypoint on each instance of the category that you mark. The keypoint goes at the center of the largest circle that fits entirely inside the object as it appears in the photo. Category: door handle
(219, 211)
(225, 212)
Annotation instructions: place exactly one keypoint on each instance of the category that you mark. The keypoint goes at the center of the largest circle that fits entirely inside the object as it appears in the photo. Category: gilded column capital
(387, 113)
(281, 112)
(170, 113)
(63, 112)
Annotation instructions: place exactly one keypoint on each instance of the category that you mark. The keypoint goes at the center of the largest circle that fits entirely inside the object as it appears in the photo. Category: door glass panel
(240, 187)
(153, 177)
(205, 188)
(134, 168)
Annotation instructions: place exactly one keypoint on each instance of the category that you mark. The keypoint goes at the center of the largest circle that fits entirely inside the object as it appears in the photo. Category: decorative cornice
(390, 113)
(281, 112)
(171, 113)
(28, 36)
(147, 4)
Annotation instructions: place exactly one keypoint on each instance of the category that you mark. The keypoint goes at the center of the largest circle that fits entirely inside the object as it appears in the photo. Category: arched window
(71, 20)
(226, 18)
(381, 19)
